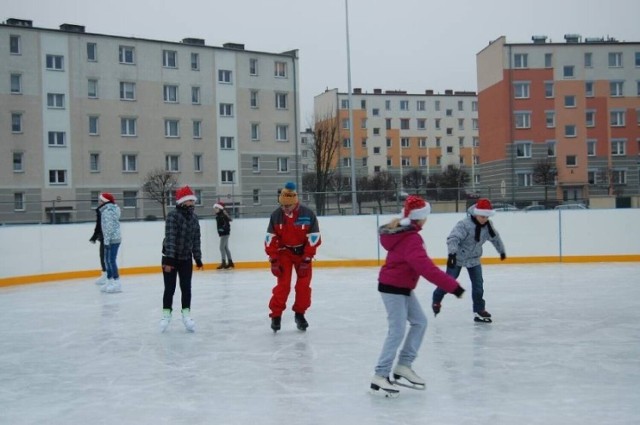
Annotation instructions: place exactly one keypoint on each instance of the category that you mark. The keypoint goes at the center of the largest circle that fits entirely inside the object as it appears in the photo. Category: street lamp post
(352, 145)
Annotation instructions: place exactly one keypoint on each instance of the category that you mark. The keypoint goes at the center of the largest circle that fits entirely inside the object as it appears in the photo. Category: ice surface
(564, 348)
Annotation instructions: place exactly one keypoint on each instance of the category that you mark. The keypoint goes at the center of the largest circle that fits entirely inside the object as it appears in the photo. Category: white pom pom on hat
(415, 208)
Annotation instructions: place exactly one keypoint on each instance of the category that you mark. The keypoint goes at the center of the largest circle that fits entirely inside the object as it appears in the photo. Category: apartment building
(82, 113)
(396, 131)
(574, 103)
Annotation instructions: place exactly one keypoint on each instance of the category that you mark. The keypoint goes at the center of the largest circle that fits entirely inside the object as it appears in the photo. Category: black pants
(183, 270)
(104, 267)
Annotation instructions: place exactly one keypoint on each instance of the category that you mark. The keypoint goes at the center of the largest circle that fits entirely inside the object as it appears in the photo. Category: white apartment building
(82, 113)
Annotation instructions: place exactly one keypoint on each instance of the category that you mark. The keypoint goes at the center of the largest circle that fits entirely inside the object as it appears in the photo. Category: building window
(280, 69)
(170, 93)
(387, 105)
(521, 60)
(568, 71)
(94, 130)
(571, 161)
(404, 123)
(616, 88)
(474, 106)
(127, 91)
(195, 95)
(521, 90)
(590, 118)
(346, 162)
(376, 150)
(548, 89)
(255, 164)
(226, 109)
(197, 129)
(524, 179)
(16, 83)
(569, 101)
(421, 105)
(18, 162)
(570, 130)
(376, 111)
(195, 61)
(15, 47)
(94, 162)
(389, 143)
(617, 118)
(344, 104)
(449, 112)
(129, 198)
(92, 52)
(171, 128)
(591, 147)
(281, 100)
(58, 177)
(437, 123)
(619, 177)
(363, 123)
(404, 142)
(253, 99)
(253, 66)
(55, 62)
(128, 127)
(16, 122)
(55, 100)
(615, 59)
(551, 149)
(522, 119)
(172, 163)
(169, 59)
(618, 147)
(256, 196)
(363, 104)
(592, 177)
(19, 201)
(129, 163)
(224, 76)
(588, 60)
(57, 138)
(255, 131)
(421, 123)
(346, 143)
(460, 105)
(548, 60)
(226, 143)
(126, 54)
(404, 105)
(226, 176)
(637, 59)
(283, 165)
(523, 150)
(474, 123)
(92, 88)
(197, 163)
(588, 89)
(422, 161)
(282, 132)
(550, 118)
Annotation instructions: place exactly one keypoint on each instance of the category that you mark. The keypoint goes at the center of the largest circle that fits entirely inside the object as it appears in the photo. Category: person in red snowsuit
(292, 238)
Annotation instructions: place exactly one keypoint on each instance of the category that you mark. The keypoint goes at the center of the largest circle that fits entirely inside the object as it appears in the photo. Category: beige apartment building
(82, 113)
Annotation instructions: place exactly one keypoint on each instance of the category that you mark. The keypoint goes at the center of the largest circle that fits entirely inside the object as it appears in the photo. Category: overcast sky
(408, 45)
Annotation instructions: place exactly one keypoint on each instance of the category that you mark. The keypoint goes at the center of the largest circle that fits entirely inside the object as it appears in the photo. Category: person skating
(97, 237)
(293, 236)
(464, 245)
(112, 238)
(406, 261)
(180, 247)
(223, 224)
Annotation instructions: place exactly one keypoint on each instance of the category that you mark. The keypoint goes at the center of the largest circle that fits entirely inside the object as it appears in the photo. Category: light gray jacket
(110, 220)
(462, 242)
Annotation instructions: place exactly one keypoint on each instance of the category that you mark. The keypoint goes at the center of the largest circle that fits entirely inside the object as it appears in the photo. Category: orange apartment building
(575, 103)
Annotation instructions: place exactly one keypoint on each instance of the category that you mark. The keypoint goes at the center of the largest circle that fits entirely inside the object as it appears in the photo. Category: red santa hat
(483, 208)
(219, 205)
(185, 194)
(107, 197)
(415, 208)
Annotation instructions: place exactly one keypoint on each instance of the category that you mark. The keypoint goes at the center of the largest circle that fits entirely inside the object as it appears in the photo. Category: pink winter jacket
(407, 260)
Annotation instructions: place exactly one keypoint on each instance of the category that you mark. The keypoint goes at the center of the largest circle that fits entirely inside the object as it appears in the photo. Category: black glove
(304, 268)
(276, 270)
(503, 256)
(451, 261)
(459, 290)
(198, 263)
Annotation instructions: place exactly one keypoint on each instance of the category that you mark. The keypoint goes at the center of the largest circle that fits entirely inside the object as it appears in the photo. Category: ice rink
(564, 348)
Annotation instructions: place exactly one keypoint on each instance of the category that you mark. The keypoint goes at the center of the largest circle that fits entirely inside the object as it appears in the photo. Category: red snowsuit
(291, 242)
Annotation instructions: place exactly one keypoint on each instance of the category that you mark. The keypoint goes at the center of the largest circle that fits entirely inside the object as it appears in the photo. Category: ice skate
(436, 308)
(275, 323)
(113, 286)
(230, 265)
(482, 316)
(222, 266)
(166, 320)
(102, 279)
(189, 324)
(384, 387)
(406, 377)
(301, 322)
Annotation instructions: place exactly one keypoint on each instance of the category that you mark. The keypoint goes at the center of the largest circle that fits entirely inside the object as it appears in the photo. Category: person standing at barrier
(223, 224)
(97, 236)
(464, 245)
(293, 235)
(406, 261)
(111, 236)
(180, 247)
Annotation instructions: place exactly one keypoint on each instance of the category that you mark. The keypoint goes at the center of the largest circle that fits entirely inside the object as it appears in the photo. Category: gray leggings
(224, 248)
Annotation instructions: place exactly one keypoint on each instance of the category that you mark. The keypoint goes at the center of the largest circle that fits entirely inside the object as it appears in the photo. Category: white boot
(166, 319)
(104, 287)
(383, 386)
(102, 279)
(405, 376)
(189, 324)
(112, 286)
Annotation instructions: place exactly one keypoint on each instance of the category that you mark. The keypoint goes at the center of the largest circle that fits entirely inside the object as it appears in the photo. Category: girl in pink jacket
(406, 261)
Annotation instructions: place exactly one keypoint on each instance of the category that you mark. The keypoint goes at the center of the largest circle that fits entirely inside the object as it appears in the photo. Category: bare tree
(453, 180)
(158, 185)
(381, 184)
(544, 173)
(325, 147)
(413, 180)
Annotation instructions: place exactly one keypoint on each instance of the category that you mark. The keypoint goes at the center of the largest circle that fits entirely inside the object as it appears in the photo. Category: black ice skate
(384, 387)
(222, 266)
(301, 322)
(436, 308)
(275, 324)
(482, 316)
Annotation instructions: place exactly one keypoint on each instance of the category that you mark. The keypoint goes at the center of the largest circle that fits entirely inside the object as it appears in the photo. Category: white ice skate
(384, 387)
(102, 279)
(189, 324)
(166, 319)
(406, 377)
(112, 286)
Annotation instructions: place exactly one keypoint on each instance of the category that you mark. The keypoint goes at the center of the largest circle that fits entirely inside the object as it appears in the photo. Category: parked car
(503, 206)
(534, 208)
(570, 207)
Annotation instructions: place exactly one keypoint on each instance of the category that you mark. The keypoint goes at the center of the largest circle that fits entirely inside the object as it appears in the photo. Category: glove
(199, 264)
(92, 240)
(276, 270)
(459, 290)
(304, 268)
(451, 261)
(503, 256)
